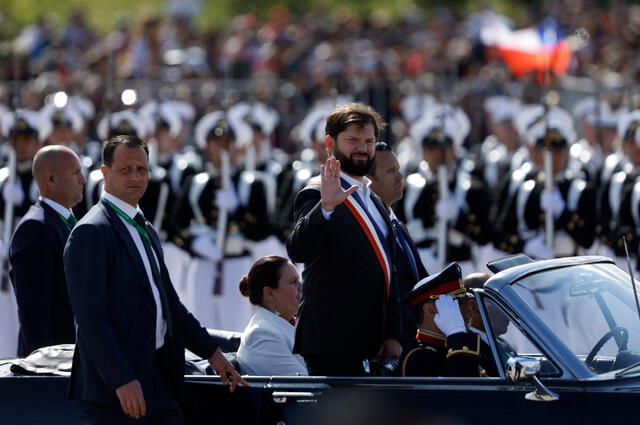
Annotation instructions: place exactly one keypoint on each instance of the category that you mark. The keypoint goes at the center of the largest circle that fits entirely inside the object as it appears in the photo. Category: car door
(440, 400)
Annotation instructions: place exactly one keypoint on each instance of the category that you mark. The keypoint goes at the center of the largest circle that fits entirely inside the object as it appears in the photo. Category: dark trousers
(162, 407)
(334, 366)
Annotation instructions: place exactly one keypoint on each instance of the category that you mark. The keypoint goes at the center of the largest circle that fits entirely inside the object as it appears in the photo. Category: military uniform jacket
(195, 213)
(619, 201)
(347, 309)
(436, 355)
(520, 217)
(471, 225)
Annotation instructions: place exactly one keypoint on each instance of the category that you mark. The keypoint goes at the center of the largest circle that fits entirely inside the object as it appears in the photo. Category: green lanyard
(70, 222)
(155, 271)
(143, 232)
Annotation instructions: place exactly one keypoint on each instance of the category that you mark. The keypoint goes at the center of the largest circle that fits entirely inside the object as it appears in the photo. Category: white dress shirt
(266, 347)
(161, 324)
(365, 194)
(62, 210)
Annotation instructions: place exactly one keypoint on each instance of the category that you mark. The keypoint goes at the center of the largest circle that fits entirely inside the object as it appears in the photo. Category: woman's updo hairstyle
(264, 272)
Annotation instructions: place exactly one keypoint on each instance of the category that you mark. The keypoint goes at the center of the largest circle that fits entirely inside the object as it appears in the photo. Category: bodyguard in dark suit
(344, 237)
(37, 270)
(387, 183)
(131, 327)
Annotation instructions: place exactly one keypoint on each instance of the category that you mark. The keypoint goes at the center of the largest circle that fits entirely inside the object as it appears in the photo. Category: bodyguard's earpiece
(52, 179)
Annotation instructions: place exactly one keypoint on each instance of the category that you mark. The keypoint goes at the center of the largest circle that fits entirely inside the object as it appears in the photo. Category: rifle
(8, 218)
(163, 196)
(443, 183)
(548, 185)
(221, 234)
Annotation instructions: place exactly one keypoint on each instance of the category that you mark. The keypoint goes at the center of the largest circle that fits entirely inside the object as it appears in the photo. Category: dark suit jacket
(406, 281)
(115, 311)
(37, 274)
(345, 310)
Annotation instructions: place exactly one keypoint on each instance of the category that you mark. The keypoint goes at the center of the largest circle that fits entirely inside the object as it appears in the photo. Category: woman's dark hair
(264, 272)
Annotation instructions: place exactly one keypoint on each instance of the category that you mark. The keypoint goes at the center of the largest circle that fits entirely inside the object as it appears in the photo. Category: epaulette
(575, 193)
(247, 178)
(195, 191)
(415, 183)
(94, 180)
(635, 200)
(521, 206)
(615, 192)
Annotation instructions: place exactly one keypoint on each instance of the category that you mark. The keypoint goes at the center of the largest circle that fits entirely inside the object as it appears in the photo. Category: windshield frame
(501, 285)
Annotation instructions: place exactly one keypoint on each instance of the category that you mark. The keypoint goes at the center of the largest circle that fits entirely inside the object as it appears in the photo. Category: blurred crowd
(254, 94)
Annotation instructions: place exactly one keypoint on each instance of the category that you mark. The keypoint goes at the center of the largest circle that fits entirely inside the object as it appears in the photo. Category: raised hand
(332, 193)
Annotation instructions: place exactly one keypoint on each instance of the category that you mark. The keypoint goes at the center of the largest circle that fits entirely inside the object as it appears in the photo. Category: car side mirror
(525, 370)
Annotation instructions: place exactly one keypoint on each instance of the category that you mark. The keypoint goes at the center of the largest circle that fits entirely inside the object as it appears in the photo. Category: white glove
(227, 199)
(537, 248)
(13, 194)
(204, 246)
(449, 318)
(551, 200)
(447, 209)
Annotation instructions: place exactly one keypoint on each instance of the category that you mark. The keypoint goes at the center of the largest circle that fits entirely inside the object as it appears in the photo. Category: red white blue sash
(371, 230)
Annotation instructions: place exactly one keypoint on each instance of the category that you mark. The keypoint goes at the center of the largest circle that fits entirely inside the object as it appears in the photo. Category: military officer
(26, 131)
(464, 207)
(444, 345)
(619, 194)
(208, 200)
(520, 223)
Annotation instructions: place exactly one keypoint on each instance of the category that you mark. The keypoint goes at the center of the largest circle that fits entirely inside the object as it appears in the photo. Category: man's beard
(349, 166)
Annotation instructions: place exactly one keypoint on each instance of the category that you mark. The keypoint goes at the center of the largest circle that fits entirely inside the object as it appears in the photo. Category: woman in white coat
(273, 284)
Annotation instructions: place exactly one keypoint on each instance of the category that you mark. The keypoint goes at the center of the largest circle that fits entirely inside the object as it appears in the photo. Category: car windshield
(592, 309)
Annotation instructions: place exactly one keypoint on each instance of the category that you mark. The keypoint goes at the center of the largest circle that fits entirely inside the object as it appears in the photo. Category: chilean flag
(542, 48)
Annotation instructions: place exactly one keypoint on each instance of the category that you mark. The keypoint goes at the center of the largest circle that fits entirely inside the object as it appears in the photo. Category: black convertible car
(565, 335)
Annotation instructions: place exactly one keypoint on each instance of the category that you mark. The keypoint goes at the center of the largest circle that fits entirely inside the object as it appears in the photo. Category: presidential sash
(374, 235)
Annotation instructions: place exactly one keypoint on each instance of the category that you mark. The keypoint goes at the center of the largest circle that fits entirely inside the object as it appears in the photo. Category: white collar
(273, 317)
(363, 185)
(126, 208)
(60, 209)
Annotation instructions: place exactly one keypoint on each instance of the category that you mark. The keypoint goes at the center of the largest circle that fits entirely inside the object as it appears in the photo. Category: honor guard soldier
(444, 345)
(26, 131)
(310, 133)
(260, 178)
(501, 152)
(83, 144)
(597, 121)
(618, 197)
(169, 169)
(209, 218)
(171, 121)
(564, 195)
(444, 206)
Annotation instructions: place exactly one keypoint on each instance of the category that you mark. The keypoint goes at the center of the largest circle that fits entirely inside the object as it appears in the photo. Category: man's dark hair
(380, 147)
(131, 142)
(352, 113)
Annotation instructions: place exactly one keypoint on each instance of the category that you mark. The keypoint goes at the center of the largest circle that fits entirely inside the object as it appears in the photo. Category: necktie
(404, 245)
(71, 221)
(155, 271)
